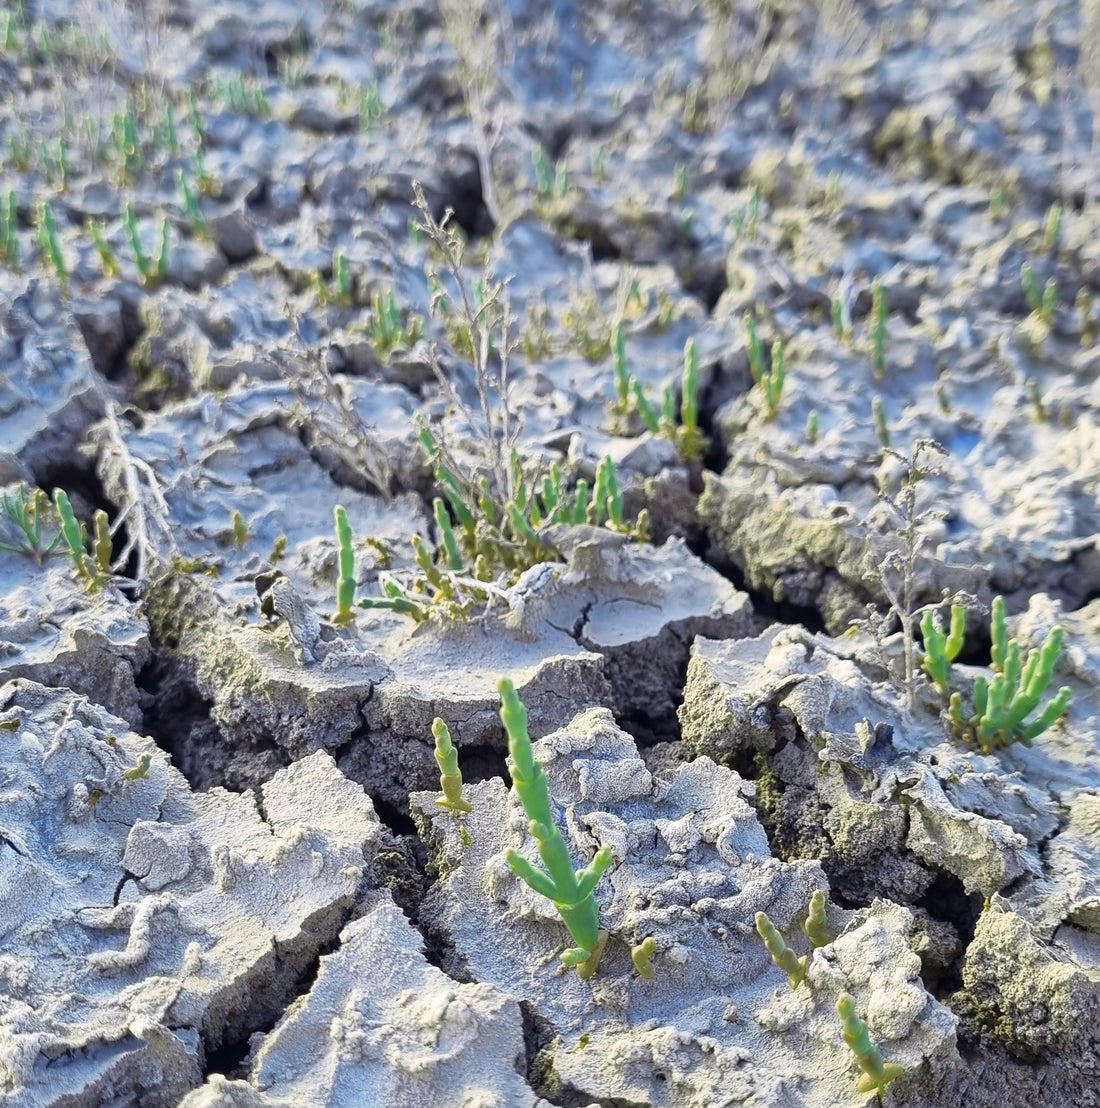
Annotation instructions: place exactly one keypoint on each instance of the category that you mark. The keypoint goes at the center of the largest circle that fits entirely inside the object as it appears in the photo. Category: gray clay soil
(225, 881)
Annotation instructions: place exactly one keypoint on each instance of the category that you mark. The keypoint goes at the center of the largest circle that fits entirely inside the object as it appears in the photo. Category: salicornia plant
(999, 710)
(450, 779)
(48, 241)
(25, 513)
(782, 955)
(877, 1074)
(95, 569)
(570, 890)
(880, 313)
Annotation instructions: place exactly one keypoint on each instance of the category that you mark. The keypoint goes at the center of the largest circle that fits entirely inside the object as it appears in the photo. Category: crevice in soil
(263, 1009)
(179, 720)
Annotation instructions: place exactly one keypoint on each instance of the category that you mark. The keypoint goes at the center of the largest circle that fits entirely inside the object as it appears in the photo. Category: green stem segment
(877, 1074)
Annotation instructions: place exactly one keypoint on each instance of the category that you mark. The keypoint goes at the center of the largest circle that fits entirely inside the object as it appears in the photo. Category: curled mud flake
(140, 941)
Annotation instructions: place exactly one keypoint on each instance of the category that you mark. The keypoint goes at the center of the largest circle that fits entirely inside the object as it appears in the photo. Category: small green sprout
(645, 410)
(386, 328)
(278, 549)
(126, 142)
(107, 259)
(679, 181)
(813, 426)
(1049, 300)
(570, 890)
(599, 164)
(1052, 227)
(94, 572)
(997, 203)
(141, 770)
(1082, 304)
(239, 529)
(815, 925)
(772, 381)
(642, 957)
(880, 313)
(190, 204)
(877, 1074)
(942, 649)
(1002, 706)
(450, 779)
(841, 327)
(1030, 284)
(1035, 399)
(345, 583)
(26, 515)
(9, 227)
(371, 108)
(942, 399)
(342, 278)
(48, 241)
(152, 272)
(782, 955)
(9, 725)
(878, 415)
(754, 348)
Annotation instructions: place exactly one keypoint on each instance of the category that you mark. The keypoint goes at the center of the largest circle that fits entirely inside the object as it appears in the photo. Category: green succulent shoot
(570, 890)
(450, 778)
(877, 1074)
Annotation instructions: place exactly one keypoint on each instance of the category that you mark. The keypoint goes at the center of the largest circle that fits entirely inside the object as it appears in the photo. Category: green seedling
(642, 957)
(152, 272)
(1035, 399)
(1030, 283)
(782, 955)
(754, 348)
(1052, 227)
(877, 1074)
(371, 108)
(94, 572)
(9, 725)
(9, 227)
(689, 439)
(772, 380)
(815, 926)
(1082, 304)
(942, 398)
(48, 241)
(622, 375)
(941, 649)
(450, 779)
(997, 203)
(878, 415)
(880, 313)
(386, 329)
(190, 204)
(239, 529)
(342, 278)
(278, 549)
(26, 513)
(599, 164)
(813, 426)
(570, 890)
(127, 145)
(345, 582)
(679, 182)
(141, 770)
(1001, 706)
(1049, 300)
(107, 259)
(841, 327)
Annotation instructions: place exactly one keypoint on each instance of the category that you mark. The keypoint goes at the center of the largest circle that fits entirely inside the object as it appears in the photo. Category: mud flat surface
(815, 282)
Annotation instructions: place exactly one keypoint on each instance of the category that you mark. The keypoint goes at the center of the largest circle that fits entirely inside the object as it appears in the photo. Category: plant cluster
(630, 400)
(769, 379)
(482, 546)
(1000, 706)
(782, 955)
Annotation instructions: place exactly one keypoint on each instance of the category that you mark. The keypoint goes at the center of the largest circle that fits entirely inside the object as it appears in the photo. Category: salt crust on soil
(139, 917)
